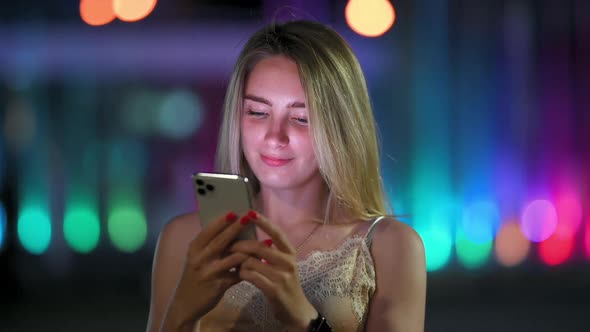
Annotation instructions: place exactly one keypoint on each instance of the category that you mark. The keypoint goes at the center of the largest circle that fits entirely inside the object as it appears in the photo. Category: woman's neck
(290, 207)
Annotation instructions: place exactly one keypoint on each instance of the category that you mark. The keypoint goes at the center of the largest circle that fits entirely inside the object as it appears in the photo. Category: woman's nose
(276, 134)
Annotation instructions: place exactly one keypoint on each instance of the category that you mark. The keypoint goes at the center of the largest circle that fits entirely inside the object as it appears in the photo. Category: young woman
(298, 123)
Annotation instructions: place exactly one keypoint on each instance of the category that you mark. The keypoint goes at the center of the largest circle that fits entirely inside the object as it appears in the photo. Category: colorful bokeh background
(108, 106)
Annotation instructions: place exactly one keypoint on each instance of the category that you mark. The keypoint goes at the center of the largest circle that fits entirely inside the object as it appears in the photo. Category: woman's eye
(255, 114)
(300, 120)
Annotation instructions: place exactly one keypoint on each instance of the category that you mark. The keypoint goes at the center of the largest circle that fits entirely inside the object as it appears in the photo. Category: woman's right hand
(206, 275)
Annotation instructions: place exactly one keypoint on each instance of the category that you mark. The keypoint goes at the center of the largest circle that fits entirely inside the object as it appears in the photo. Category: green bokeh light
(437, 244)
(471, 254)
(82, 229)
(127, 228)
(34, 229)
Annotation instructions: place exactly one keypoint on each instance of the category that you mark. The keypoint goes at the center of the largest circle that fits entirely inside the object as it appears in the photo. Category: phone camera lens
(202, 191)
(210, 187)
(200, 182)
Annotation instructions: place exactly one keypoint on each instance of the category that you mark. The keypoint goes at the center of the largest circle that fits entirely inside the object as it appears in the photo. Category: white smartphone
(217, 194)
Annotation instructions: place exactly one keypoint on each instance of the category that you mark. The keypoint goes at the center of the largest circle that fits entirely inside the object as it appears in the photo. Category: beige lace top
(339, 283)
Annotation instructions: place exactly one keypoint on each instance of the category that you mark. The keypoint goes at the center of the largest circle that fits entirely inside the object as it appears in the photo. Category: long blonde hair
(341, 120)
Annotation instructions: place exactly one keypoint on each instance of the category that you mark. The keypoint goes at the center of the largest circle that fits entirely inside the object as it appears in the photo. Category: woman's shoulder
(395, 234)
(397, 245)
(180, 230)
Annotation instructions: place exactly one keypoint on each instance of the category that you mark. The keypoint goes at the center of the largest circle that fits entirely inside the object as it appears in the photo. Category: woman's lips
(274, 162)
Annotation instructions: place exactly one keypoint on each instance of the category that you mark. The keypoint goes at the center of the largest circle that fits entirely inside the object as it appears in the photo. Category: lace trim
(344, 272)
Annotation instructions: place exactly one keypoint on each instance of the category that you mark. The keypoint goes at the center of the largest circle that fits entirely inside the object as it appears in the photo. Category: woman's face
(275, 132)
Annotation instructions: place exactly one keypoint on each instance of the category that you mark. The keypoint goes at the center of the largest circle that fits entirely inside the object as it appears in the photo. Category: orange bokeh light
(370, 18)
(97, 12)
(511, 246)
(133, 10)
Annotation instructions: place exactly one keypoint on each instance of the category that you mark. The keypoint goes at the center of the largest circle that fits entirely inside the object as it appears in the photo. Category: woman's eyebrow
(295, 104)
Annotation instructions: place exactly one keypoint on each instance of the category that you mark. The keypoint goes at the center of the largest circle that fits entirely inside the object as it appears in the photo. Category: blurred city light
(511, 246)
(180, 114)
(438, 245)
(569, 214)
(139, 111)
(539, 220)
(481, 221)
(34, 229)
(472, 254)
(370, 18)
(127, 228)
(133, 10)
(97, 12)
(2, 225)
(558, 248)
(81, 228)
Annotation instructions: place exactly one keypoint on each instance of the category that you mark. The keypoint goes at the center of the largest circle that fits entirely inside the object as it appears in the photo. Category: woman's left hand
(275, 273)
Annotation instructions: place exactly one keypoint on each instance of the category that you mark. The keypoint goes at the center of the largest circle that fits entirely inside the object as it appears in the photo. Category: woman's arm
(399, 301)
(168, 265)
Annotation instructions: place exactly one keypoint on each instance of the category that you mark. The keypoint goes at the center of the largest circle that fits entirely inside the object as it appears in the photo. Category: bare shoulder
(400, 276)
(397, 243)
(180, 231)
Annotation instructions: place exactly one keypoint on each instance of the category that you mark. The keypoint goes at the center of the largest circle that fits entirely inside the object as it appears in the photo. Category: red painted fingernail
(264, 261)
(231, 216)
(252, 214)
(268, 242)
(244, 220)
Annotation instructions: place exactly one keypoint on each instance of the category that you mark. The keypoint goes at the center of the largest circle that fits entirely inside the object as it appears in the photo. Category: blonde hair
(341, 120)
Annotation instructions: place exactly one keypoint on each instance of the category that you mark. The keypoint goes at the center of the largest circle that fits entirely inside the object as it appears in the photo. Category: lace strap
(369, 236)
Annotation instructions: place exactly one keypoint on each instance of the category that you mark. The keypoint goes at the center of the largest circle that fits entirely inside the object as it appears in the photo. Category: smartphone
(217, 194)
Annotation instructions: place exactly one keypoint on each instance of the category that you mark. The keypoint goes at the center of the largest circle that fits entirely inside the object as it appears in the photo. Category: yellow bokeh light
(97, 12)
(370, 18)
(133, 10)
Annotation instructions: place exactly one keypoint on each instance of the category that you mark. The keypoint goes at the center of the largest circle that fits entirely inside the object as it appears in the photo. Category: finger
(220, 243)
(233, 260)
(278, 237)
(262, 250)
(267, 270)
(213, 229)
(258, 279)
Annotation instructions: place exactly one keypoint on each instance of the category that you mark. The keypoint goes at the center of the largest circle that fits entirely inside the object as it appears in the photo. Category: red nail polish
(264, 261)
(252, 214)
(244, 220)
(231, 216)
(268, 242)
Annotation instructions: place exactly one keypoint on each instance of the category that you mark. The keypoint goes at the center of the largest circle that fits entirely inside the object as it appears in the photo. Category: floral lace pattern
(344, 277)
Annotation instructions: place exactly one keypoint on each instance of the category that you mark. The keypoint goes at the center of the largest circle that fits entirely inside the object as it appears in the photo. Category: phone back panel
(217, 194)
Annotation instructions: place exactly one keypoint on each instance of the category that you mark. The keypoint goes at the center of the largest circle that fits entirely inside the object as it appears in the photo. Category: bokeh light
(438, 246)
(2, 225)
(511, 246)
(587, 237)
(34, 229)
(557, 248)
(133, 10)
(81, 228)
(127, 228)
(569, 214)
(139, 111)
(97, 12)
(481, 221)
(472, 254)
(370, 18)
(180, 114)
(539, 220)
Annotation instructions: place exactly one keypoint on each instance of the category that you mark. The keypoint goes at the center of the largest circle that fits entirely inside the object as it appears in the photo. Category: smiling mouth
(274, 162)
